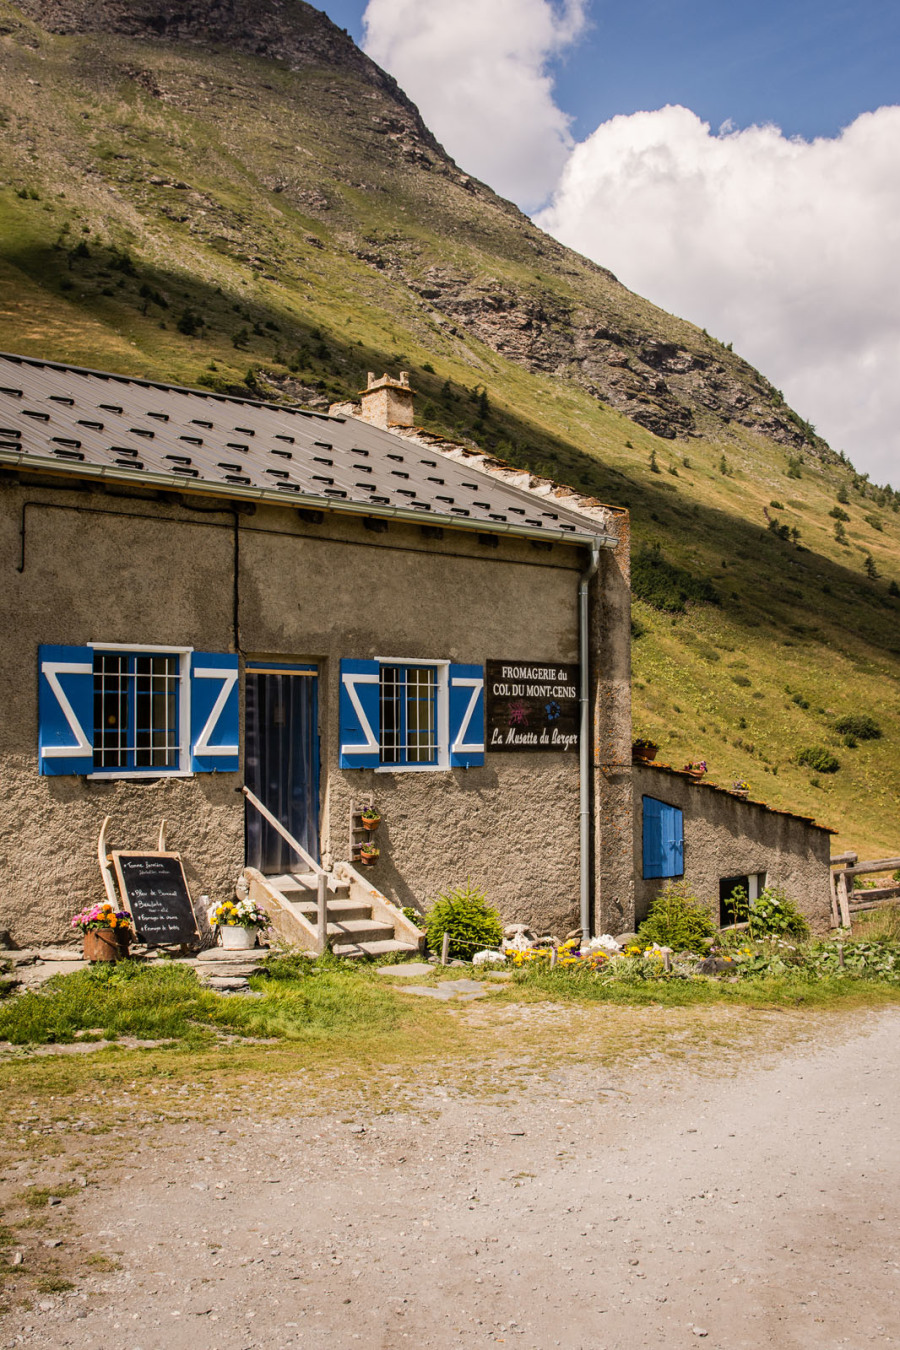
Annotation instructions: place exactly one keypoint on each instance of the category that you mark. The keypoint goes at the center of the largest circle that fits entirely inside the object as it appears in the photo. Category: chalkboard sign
(532, 705)
(155, 891)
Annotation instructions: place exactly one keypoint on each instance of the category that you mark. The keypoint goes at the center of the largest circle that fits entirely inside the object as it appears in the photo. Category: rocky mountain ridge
(572, 319)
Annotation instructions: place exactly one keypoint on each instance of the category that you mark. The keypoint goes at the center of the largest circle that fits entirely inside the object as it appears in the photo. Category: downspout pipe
(584, 740)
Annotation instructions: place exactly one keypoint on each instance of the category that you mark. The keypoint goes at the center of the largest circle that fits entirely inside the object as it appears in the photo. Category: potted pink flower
(107, 932)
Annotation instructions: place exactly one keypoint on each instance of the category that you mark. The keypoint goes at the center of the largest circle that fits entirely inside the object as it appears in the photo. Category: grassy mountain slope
(242, 200)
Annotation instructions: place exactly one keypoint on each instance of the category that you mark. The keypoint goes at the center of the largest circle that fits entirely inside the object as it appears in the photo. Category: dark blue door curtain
(282, 763)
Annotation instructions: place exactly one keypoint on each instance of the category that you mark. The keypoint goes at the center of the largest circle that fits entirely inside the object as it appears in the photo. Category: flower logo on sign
(553, 710)
(518, 714)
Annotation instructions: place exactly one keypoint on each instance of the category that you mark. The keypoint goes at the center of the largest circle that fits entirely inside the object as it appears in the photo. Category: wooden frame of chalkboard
(155, 891)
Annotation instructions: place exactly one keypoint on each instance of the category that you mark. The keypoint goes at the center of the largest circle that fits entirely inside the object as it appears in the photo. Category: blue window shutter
(359, 715)
(466, 716)
(65, 710)
(673, 841)
(652, 837)
(215, 713)
(663, 839)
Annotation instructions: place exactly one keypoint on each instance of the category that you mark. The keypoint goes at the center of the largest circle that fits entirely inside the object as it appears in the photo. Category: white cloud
(788, 248)
(478, 71)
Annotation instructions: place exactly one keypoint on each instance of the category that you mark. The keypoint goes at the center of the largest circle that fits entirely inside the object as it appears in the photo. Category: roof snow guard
(64, 419)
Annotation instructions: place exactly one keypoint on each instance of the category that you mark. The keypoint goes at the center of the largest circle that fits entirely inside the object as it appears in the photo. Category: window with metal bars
(408, 714)
(136, 710)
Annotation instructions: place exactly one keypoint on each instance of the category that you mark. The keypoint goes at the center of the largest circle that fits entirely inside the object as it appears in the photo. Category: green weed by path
(790, 990)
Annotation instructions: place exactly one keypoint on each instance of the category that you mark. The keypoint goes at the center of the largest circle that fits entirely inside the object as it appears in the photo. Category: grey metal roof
(119, 428)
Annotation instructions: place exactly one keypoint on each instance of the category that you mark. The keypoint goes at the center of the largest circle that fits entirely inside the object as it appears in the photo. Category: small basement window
(752, 885)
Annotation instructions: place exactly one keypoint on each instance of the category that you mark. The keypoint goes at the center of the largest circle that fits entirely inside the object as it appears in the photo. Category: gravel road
(586, 1208)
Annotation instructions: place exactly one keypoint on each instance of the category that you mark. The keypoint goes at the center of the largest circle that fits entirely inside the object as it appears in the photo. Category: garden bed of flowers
(605, 958)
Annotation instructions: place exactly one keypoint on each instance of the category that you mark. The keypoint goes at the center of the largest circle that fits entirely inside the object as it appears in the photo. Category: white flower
(605, 943)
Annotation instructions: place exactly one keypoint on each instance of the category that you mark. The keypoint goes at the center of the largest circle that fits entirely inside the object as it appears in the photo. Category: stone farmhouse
(250, 621)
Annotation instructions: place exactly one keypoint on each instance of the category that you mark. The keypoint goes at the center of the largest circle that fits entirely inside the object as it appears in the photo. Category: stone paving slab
(416, 968)
(461, 990)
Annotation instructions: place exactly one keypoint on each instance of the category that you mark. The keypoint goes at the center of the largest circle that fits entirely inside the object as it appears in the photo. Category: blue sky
(810, 66)
(738, 165)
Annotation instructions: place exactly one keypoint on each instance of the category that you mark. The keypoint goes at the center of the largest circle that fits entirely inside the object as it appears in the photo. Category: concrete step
(381, 948)
(360, 930)
(306, 881)
(339, 911)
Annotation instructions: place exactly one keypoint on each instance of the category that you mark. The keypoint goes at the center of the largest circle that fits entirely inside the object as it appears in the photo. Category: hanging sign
(531, 705)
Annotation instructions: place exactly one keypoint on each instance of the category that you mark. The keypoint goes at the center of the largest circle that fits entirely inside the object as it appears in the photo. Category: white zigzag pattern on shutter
(350, 682)
(229, 680)
(53, 670)
(459, 746)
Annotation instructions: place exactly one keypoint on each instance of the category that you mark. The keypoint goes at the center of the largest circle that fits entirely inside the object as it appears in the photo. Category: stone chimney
(387, 403)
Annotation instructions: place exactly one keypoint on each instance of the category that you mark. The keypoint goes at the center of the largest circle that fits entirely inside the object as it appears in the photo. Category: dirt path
(586, 1209)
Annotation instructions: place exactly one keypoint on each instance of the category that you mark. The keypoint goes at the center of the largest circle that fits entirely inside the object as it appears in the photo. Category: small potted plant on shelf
(696, 768)
(643, 750)
(368, 852)
(371, 818)
(740, 787)
(107, 932)
(239, 922)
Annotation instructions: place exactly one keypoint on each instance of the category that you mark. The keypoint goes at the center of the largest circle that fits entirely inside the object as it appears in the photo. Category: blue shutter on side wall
(65, 710)
(359, 715)
(466, 716)
(652, 837)
(663, 839)
(673, 841)
(215, 713)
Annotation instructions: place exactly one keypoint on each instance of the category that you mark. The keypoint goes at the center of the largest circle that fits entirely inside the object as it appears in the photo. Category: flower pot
(741, 792)
(106, 944)
(235, 939)
(371, 824)
(694, 773)
(643, 754)
(368, 859)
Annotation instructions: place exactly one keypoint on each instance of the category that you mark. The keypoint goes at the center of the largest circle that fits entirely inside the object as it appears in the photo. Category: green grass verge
(800, 989)
(167, 1003)
(331, 1002)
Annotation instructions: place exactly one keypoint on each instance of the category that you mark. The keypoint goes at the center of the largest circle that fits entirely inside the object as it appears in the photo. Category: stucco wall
(725, 836)
(117, 567)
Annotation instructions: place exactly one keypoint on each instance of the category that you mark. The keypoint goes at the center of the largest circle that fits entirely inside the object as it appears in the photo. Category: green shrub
(819, 759)
(678, 920)
(662, 585)
(773, 914)
(861, 725)
(465, 914)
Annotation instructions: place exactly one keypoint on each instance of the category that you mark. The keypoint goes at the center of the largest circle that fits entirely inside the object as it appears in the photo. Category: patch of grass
(565, 984)
(298, 998)
(878, 925)
(124, 1000)
(37, 1197)
(53, 1284)
(99, 1261)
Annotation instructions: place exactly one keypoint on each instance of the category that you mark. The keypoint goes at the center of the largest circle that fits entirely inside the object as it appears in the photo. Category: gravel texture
(582, 1208)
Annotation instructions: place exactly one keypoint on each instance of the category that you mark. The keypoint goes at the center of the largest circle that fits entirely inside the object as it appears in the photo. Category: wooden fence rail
(845, 902)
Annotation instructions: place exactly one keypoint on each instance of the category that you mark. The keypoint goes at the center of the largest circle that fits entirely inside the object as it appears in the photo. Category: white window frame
(184, 769)
(442, 676)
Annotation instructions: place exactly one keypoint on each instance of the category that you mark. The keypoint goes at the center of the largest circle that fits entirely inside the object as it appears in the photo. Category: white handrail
(285, 834)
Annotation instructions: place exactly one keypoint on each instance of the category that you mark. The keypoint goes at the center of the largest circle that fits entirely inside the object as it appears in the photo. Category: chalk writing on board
(155, 891)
